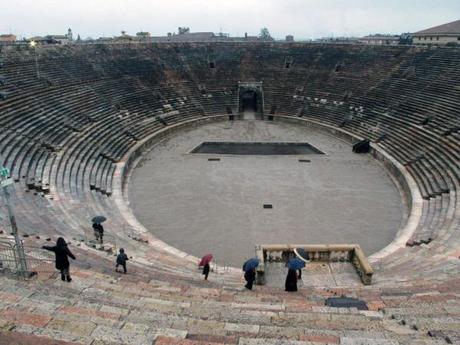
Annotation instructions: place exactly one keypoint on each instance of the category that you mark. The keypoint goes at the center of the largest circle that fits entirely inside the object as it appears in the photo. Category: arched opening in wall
(249, 101)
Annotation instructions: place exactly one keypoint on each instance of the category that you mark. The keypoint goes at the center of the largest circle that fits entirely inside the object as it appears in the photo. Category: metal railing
(8, 257)
(36, 259)
(220, 266)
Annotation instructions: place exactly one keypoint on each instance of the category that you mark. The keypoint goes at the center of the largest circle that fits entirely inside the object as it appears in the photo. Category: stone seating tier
(64, 133)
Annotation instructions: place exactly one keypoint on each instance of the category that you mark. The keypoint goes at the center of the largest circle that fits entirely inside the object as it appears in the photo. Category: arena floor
(202, 206)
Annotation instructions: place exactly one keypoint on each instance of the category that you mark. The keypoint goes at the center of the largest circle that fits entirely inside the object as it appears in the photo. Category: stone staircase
(149, 306)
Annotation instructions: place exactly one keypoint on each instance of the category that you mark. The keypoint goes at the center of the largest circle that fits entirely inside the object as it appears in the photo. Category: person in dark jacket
(98, 232)
(291, 281)
(121, 260)
(206, 269)
(62, 253)
(250, 277)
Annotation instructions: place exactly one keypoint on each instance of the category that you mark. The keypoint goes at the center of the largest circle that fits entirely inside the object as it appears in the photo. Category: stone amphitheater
(76, 120)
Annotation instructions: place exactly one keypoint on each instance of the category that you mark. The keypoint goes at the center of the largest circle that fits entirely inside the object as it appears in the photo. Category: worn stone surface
(308, 199)
(322, 339)
(242, 328)
(79, 328)
(24, 339)
(162, 340)
(357, 341)
(124, 313)
(117, 336)
(18, 317)
(248, 341)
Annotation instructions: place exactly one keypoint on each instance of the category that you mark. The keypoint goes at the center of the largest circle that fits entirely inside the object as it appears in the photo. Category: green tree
(265, 35)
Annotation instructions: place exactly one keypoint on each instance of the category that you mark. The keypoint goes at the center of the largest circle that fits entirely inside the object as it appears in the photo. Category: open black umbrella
(99, 219)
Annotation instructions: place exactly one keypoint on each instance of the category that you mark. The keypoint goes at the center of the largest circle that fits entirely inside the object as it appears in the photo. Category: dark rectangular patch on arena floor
(256, 148)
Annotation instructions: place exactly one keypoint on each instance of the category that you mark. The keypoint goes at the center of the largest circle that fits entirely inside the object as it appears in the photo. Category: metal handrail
(8, 257)
(216, 266)
(39, 259)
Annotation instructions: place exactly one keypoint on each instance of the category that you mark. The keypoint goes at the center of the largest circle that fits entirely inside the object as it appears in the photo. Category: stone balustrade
(316, 252)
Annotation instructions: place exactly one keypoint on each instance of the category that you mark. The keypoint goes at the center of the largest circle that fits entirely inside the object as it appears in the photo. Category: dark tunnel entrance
(249, 101)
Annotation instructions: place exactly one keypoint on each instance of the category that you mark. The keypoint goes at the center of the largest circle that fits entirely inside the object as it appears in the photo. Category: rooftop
(386, 37)
(449, 28)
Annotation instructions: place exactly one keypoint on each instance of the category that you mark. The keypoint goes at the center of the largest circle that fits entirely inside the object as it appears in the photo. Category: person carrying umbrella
(98, 228)
(250, 277)
(291, 281)
(62, 253)
(294, 265)
(297, 264)
(300, 260)
(205, 260)
(249, 269)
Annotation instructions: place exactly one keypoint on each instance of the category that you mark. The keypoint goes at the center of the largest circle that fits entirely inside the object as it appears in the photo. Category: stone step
(81, 323)
(14, 338)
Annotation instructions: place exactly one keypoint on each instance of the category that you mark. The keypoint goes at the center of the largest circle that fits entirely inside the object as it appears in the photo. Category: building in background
(7, 39)
(337, 40)
(53, 39)
(381, 39)
(61, 39)
(443, 34)
(123, 38)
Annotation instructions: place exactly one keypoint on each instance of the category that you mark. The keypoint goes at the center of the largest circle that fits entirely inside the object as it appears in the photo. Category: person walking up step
(121, 260)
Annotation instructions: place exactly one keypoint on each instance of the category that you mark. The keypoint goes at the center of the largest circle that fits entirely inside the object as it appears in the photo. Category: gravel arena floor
(201, 206)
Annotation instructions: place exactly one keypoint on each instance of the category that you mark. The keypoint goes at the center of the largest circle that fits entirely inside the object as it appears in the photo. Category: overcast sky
(302, 18)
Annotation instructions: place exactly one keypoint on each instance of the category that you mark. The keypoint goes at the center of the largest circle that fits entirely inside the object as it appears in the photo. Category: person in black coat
(62, 253)
(291, 281)
(121, 260)
(98, 232)
(250, 277)
(206, 269)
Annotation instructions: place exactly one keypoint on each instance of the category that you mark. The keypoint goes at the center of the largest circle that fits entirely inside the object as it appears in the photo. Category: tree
(406, 38)
(265, 35)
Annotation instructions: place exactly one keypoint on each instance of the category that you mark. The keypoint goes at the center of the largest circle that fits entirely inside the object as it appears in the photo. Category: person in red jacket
(62, 253)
